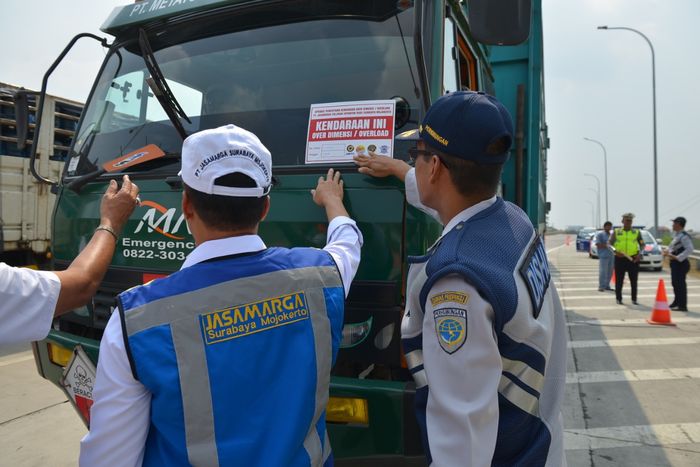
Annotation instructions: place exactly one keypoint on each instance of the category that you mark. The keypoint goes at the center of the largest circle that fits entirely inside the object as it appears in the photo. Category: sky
(598, 84)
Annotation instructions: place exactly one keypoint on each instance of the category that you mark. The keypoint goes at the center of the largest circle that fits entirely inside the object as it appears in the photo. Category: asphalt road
(38, 425)
(632, 387)
(631, 393)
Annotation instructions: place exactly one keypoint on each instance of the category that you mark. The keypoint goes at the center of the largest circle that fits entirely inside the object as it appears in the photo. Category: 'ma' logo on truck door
(160, 219)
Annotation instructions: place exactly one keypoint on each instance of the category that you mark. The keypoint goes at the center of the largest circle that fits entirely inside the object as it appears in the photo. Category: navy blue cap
(464, 124)
(680, 220)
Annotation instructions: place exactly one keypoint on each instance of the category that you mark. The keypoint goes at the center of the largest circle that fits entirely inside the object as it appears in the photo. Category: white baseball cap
(210, 154)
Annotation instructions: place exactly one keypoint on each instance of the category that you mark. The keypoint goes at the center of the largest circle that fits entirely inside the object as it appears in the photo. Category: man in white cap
(228, 360)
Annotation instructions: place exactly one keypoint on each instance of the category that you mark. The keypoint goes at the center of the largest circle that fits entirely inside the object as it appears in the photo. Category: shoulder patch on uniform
(451, 328)
(535, 273)
(449, 296)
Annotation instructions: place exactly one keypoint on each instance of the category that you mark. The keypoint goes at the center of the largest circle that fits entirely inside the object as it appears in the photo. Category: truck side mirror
(21, 118)
(403, 112)
(500, 22)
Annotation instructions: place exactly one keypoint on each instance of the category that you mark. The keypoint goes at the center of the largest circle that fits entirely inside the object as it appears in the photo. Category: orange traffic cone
(567, 241)
(661, 313)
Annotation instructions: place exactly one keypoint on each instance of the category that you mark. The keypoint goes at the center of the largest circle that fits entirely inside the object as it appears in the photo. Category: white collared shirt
(120, 416)
(27, 303)
(413, 199)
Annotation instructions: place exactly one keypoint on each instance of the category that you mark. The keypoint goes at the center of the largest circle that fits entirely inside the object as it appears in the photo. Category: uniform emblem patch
(535, 273)
(449, 296)
(451, 328)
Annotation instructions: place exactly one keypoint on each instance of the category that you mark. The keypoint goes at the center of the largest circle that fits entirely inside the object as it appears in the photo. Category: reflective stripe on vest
(183, 311)
(626, 241)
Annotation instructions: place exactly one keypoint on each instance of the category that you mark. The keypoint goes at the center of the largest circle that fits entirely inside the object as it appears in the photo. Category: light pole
(596, 224)
(605, 162)
(592, 212)
(597, 192)
(653, 90)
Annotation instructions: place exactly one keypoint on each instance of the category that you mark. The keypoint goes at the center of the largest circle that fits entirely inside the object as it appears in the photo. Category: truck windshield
(262, 79)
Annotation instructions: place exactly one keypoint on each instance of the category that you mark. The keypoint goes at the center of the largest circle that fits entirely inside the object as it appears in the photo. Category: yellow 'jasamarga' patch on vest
(242, 320)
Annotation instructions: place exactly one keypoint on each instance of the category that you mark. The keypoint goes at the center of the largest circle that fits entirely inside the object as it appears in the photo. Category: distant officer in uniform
(483, 331)
(678, 251)
(227, 361)
(29, 300)
(628, 246)
(605, 257)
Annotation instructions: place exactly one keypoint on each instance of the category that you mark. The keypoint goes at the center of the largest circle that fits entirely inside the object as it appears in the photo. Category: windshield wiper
(78, 183)
(160, 87)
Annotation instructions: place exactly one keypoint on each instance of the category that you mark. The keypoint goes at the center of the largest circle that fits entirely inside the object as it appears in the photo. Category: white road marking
(633, 342)
(556, 248)
(590, 289)
(633, 435)
(12, 361)
(625, 292)
(623, 322)
(632, 375)
(593, 286)
(606, 307)
(594, 274)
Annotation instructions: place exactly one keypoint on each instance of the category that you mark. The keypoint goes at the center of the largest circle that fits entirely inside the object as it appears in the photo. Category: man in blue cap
(678, 251)
(484, 330)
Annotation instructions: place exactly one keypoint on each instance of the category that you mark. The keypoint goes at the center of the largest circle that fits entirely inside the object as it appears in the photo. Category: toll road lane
(38, 426)
(631, 392)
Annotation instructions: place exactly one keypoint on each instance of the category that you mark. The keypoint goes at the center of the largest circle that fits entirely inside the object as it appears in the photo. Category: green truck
(179, 66)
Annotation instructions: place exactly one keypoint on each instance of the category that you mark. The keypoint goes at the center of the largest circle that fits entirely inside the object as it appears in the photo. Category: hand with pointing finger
(118, 204)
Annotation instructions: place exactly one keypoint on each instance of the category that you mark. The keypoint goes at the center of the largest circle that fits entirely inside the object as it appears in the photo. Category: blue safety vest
(236, 353)
(498, 252)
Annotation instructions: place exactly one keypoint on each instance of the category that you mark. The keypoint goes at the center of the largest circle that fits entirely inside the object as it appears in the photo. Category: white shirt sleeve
(413, 197)
(120, 415)
(344, 242)
(462, 409)
(687, 243)
(27, 303)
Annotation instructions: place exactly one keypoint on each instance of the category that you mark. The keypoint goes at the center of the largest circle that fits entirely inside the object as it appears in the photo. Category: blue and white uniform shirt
(485, 339)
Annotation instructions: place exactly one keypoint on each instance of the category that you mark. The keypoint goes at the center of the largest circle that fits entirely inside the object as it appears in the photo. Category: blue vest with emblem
(490, 250)
(236, 353)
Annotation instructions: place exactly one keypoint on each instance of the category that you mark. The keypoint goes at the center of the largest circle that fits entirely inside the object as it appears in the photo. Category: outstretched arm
(80, 281)
(344, 239)
(382, 166)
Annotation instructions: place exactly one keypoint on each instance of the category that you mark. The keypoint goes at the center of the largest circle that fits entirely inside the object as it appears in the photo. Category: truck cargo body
(26, 205)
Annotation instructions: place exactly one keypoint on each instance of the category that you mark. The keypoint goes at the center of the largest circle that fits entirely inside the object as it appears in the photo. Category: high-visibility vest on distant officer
(627, 241)
(259, 352)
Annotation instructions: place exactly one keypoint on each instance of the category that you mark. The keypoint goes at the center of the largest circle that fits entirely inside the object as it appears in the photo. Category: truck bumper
(390, 438)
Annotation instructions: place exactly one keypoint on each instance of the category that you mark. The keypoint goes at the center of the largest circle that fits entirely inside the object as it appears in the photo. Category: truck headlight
(355, 333)
(59, 355)
(347, 410)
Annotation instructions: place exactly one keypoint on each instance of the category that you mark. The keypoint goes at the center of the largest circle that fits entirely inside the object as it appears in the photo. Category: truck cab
(261, 65)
